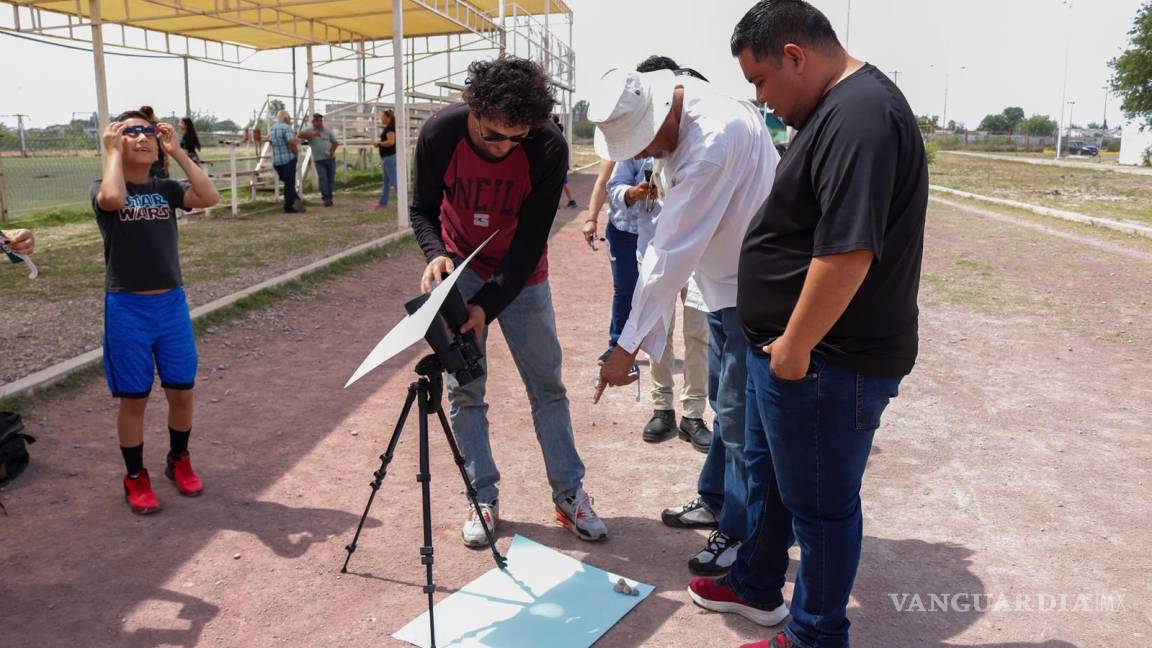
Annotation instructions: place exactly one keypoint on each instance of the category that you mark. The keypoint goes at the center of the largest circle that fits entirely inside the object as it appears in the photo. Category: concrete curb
(1120, 226)
(59, 371)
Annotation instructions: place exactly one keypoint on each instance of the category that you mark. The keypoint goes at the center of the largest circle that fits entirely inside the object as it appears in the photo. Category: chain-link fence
(47, 168)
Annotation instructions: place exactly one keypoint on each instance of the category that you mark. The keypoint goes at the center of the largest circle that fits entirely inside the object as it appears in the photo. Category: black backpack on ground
(13, 447)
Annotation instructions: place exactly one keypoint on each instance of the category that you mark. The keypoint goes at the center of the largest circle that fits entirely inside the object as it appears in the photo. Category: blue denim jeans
(388, 171)
(722, 478)
(625, 273)
(807, 446)
(325, 174)
(529, 328)
(287, 174)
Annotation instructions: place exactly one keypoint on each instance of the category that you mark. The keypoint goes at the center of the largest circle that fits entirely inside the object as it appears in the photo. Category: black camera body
(458, 353)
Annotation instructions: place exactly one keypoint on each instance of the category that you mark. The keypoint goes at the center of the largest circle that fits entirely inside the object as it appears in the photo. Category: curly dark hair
(513, 90)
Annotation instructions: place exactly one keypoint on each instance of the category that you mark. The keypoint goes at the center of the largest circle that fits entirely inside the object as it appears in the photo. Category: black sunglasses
(132, 131)
(499, 137)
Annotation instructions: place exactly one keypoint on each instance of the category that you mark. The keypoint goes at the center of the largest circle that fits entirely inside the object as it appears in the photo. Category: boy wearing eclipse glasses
(147, 328)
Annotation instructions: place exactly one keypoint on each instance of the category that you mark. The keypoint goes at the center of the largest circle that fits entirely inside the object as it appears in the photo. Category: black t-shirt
(854, 178)
(461, 197)
(385, 151)
(141, 249)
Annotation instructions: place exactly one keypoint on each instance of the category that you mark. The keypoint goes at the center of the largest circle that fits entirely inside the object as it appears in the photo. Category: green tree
(274, 106)
(228, 126)
(1006, 122)
(1132, 70)
(1038, 125)
(581, 107)
(995, 123)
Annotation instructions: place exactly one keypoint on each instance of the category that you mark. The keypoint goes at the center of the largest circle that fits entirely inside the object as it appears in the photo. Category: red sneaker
(180, 471)
(714, 594)
(139, 494)
(781, 640)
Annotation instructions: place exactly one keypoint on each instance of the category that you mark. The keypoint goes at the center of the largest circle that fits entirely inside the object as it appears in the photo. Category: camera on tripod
(458, 352)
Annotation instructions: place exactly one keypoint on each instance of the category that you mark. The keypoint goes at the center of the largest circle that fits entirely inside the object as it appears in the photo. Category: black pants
(287, 173)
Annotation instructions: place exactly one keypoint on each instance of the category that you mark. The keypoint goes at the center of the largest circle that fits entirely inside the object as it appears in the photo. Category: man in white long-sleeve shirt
(716, 162)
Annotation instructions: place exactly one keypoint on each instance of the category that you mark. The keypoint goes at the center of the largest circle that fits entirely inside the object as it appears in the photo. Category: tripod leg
(501, 561)
(427, 556)
(385, 459)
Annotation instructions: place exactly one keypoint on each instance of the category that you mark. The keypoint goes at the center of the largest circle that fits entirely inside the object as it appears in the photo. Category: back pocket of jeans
(872, 397)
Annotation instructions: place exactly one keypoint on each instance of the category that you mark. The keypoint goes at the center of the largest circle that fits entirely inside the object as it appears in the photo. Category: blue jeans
(388, 171)
(625, 273)
(529, 328)
(807, 446)
(325, 174)
(722, 478)
(287, 175)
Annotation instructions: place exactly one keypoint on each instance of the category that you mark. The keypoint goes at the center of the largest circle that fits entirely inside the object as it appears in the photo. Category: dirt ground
(58, 316)
(1012, 470)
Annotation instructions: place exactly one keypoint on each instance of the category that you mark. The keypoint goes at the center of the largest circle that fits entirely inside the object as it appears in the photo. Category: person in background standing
(189, 140)
(285, 150)
(387, 148)
(324, 144)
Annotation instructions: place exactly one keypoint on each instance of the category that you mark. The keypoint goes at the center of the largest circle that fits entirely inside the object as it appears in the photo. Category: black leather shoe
(662, 426)
(696, 432)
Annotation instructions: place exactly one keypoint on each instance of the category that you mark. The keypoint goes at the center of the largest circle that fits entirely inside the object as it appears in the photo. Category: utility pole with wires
(1064, 92)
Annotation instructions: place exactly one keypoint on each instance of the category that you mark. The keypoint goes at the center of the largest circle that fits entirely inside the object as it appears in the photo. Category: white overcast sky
(996, 52)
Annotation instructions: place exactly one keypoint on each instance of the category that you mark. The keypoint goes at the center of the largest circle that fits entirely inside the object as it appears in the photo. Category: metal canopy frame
(231, 31)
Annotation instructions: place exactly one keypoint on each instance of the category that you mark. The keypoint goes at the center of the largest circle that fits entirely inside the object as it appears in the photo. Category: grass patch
(1094, 192)
(305, 286)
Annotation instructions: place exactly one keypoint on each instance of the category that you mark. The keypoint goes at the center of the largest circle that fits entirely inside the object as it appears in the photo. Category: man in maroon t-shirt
(496, 164)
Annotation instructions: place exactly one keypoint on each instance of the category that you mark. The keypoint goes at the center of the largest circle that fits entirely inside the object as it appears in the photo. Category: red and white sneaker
(139, 494)
(781, 640)
(714, 594)
(575, 514)
(180, 471)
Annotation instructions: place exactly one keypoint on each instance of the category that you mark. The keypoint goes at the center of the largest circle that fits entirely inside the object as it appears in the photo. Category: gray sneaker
(693, 515)
(575, 514)
(473, 531)
(716, 557)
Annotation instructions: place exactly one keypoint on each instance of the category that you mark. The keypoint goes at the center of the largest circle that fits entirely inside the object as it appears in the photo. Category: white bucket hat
(628, 109)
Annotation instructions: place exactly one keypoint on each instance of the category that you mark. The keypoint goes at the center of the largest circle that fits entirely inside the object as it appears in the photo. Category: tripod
(426, 392)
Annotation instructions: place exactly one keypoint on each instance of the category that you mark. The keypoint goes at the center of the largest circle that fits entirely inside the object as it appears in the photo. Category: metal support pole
(3, 202)
(311, 85)
(360, 69)
(401, 113)
(187, 91)
(232, 179)
(98, 66)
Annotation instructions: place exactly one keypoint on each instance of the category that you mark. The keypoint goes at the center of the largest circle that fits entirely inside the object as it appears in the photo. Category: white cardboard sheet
(412, 328)
(544, 598)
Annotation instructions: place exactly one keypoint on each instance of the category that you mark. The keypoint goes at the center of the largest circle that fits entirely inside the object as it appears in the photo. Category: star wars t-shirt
(141, 249)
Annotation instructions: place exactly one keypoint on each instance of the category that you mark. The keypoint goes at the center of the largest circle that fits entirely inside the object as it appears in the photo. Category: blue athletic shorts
(144, 334)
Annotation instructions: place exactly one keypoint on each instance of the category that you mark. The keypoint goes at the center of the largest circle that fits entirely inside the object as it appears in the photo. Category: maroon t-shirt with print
(462, 197)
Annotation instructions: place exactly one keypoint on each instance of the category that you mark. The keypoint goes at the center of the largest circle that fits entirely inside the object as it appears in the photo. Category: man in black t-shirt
(828, 278)
(147, 329)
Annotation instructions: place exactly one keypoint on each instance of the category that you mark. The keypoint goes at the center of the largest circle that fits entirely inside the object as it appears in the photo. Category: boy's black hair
(132, 114)
(772, 24)
(510, 89)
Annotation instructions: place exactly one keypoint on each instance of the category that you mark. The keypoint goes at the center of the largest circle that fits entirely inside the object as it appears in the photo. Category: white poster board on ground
(544, 598)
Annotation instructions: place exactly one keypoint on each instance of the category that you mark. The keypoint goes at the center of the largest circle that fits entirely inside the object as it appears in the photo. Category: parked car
(1090, 150)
